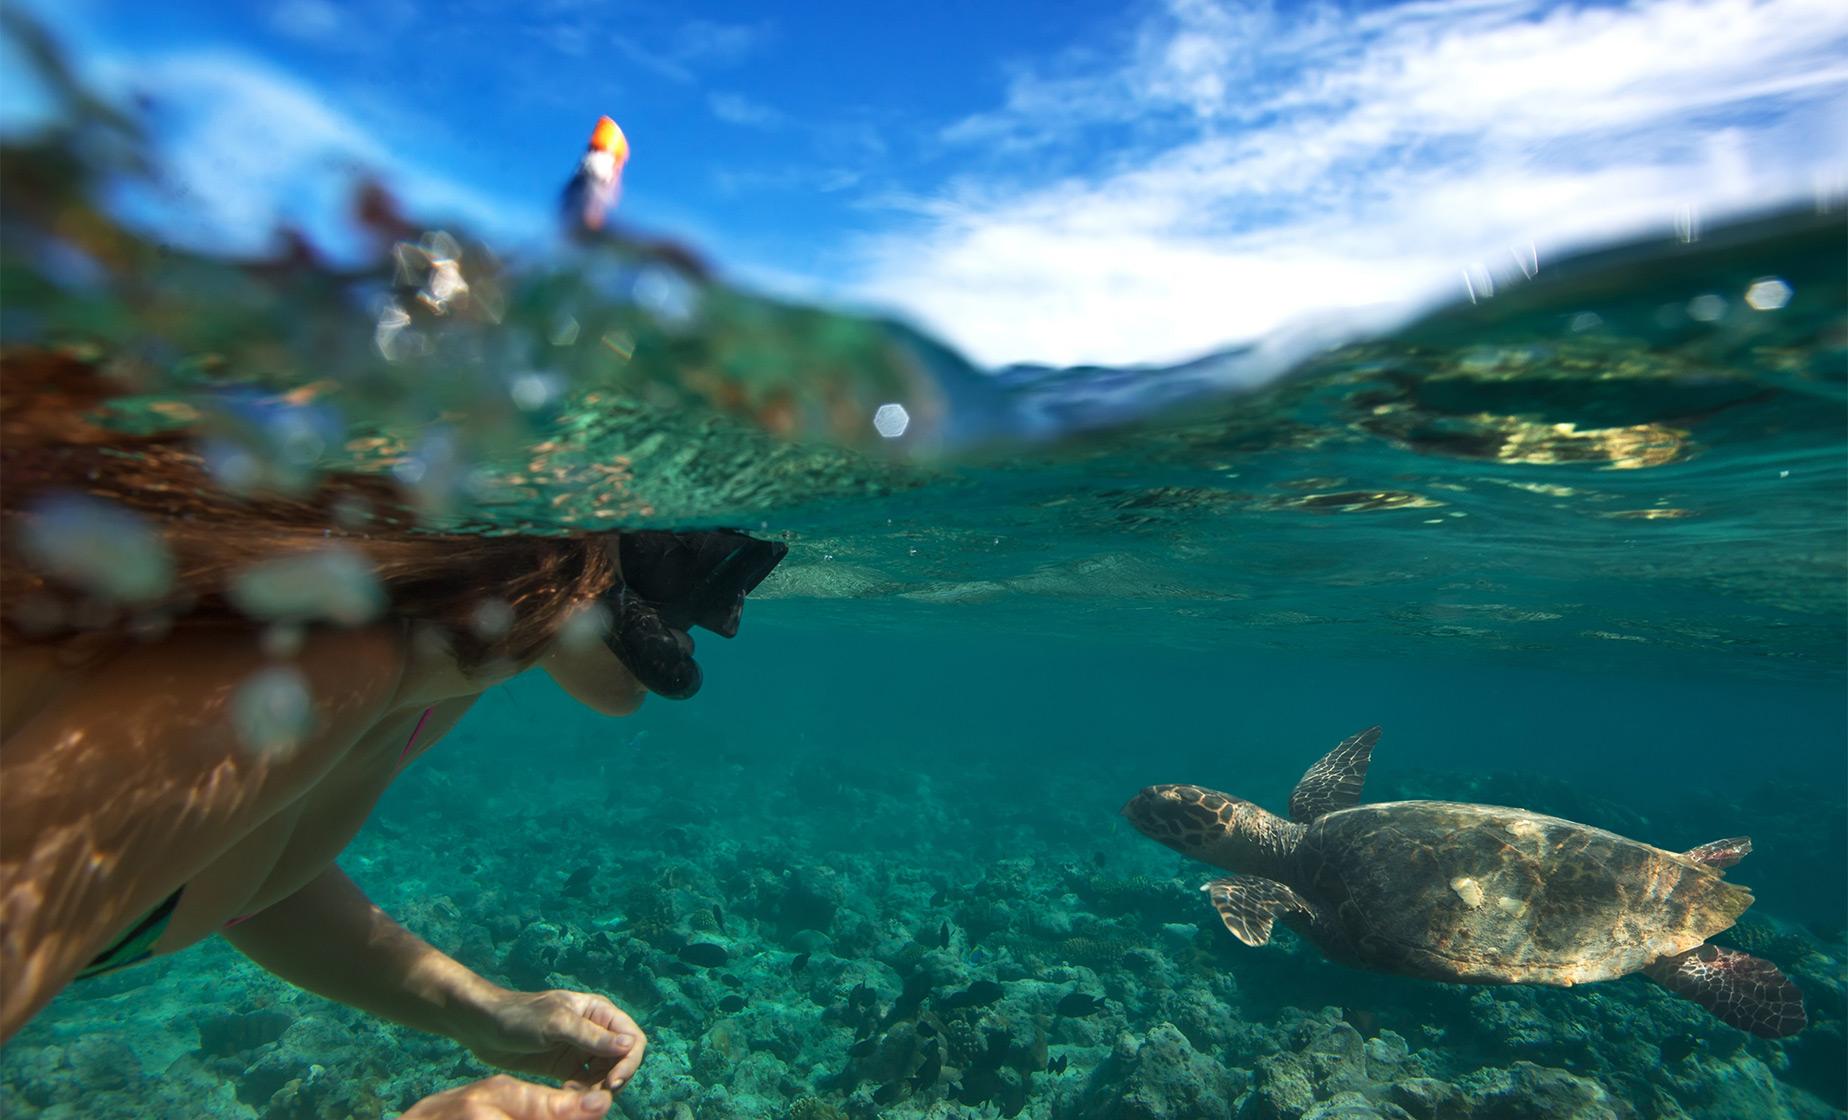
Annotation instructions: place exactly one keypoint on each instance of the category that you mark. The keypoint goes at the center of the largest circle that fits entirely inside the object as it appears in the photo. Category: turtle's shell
(1493, 895)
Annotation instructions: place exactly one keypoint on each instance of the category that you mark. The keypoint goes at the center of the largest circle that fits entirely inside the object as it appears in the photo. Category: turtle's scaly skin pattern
(1484, 894)
(1205, 824)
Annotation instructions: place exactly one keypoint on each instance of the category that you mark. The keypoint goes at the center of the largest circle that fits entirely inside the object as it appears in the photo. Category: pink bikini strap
(412, 741)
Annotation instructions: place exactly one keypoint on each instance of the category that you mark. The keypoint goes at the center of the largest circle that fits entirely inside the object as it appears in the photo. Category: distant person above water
(593, 191)
(589, 199)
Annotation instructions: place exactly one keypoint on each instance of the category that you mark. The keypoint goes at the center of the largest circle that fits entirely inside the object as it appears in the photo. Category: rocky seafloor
(814, 937)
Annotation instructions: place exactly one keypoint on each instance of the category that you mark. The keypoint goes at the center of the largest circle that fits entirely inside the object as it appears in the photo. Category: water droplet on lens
(351, 512)
(282, 641)
(1768, 294)
(271, 710)
(891, 420)
(585, 627)
(110, 552)
(532, 390)
(491, 618)
(666, 295)
(336, 585)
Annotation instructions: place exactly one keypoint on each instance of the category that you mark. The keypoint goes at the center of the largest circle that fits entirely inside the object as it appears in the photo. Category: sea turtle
(1472, 893)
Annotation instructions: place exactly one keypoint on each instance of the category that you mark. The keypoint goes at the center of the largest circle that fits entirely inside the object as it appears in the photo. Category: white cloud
(1244, 166)
(681, 54)
(733, 108)
(308, 20)
(710, 41)
(244, 146)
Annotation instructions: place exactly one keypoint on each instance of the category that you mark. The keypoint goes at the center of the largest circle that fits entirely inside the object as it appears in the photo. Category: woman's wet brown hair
(50, 444)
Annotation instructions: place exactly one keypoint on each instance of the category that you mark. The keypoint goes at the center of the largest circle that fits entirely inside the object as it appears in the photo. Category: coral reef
(844, 942)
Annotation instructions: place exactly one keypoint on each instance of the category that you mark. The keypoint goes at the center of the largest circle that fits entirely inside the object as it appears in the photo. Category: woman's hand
(573, 1037)
(503, 1098)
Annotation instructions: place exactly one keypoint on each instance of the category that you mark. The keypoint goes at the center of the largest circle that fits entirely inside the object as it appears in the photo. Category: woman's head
(494, 600)
(672, 582)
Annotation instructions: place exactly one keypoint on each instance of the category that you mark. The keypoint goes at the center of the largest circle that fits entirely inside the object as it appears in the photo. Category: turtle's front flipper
(1741, 990)
(1248, 905)
(1721, 854)
(1335, 781)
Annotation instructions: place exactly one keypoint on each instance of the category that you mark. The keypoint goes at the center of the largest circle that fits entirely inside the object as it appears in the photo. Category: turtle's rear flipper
(1741, 990)
(1248, 905)
(1721, 854)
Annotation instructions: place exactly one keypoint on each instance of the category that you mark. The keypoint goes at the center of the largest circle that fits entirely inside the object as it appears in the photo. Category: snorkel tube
(672, 582)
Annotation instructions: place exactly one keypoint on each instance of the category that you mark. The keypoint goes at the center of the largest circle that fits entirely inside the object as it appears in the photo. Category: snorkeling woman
(141, 813)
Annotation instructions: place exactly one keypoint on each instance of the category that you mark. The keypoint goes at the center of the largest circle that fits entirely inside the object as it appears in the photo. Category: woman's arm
(118, 791)
(329, 938)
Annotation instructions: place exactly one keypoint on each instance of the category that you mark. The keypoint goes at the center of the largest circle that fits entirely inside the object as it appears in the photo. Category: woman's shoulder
(341, 677)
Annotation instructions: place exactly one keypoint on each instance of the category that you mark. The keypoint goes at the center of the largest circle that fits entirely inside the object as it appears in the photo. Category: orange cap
(608, 138)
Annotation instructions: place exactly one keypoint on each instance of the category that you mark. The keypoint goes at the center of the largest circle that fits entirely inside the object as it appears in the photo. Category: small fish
(718, 916)
(910, 998)
(1097, 858)
(578, 884)
(943, 936)
(732, 1003)
(929, 1069)
(731, 981)
(926, 1029)
(1056, 1065)
(799, 962)
(861, 996)
(863, 1047)
(1077, 1005)
(942, 896)
(705, 954)
(888, 1092)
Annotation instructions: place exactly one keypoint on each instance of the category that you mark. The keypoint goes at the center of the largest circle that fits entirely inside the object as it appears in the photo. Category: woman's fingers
(604, 1013)
(624, 1070)
(578, 1029)
(629, 1036)
(516, 1100)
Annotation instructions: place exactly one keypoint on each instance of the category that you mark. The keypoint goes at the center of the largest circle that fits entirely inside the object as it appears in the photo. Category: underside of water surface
(1578, 547)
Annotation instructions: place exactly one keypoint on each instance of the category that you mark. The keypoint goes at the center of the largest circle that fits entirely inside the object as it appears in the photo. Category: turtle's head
(1225, 831)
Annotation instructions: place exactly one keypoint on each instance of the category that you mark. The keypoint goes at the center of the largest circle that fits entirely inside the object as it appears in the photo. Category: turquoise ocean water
(1578, 548)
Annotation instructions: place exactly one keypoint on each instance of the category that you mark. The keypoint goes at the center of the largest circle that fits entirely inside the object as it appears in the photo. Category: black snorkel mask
(676, 581)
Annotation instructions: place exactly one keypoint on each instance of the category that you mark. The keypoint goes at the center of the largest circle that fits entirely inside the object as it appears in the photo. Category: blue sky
(1073, 181)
